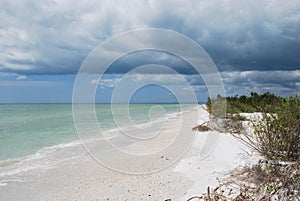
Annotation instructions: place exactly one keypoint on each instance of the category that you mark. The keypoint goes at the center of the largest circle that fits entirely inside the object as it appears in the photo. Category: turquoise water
(27, 128)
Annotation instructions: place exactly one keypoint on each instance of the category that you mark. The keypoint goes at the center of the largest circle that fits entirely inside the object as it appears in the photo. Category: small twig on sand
(195, 197)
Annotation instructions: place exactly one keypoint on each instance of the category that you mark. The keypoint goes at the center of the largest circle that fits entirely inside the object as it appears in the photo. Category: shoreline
(79, 177)
(110, 132)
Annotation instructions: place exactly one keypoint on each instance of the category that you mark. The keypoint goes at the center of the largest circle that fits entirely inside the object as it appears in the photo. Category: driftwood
(202, 127)
(214, 124)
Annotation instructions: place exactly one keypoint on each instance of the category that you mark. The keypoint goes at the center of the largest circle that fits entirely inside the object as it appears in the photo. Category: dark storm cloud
(239, 35)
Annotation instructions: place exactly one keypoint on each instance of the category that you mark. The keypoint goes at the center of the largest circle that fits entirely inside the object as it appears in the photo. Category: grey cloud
(126, 63)
(278, 82)
(54, 37)
(261, 76)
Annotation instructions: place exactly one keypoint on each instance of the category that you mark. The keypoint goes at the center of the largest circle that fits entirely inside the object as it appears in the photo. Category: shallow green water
(27, 128)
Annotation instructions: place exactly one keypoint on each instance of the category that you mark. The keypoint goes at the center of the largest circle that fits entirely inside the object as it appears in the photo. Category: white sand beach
(70, 173)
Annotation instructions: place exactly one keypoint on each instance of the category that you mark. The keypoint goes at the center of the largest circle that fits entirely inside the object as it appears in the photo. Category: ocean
(27, 130)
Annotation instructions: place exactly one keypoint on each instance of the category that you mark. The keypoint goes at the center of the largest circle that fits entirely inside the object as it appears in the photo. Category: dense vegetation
(277, 132)
(253, 103)
(276, 137)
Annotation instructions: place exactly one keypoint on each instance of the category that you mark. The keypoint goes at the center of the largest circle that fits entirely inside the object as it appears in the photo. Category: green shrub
(278, 133)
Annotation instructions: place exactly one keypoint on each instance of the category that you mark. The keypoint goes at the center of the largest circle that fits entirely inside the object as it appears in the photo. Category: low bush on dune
(278, 134)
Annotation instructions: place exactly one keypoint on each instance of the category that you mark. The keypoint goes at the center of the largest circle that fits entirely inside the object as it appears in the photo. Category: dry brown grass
(265, 181)
(209, 196)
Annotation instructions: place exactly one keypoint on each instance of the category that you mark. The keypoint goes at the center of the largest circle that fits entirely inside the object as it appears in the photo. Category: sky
(254, 45)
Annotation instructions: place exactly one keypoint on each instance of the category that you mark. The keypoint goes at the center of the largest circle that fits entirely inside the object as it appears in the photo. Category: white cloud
(21, 77)
(94, 81)
(106, 82)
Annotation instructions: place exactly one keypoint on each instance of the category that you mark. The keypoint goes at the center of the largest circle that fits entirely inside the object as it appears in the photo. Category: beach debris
(209, 196)
(164, 157)
(202, 127)
(265, 181)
